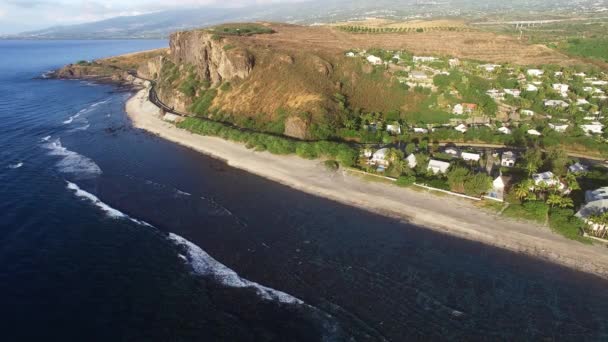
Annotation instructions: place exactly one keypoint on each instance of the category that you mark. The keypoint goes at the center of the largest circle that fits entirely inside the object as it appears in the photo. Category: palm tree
(572, 182)
(522, 190)
(531, 168)
(554, 200)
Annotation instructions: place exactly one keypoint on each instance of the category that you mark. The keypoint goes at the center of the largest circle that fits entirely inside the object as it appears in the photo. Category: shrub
(331, 165)
(565, 223)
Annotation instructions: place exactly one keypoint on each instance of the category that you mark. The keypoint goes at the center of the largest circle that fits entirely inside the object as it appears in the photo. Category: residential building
(513, 92)
(489, 67)
(535, 72)
(418, 75)
(558, 128)
(582, 102)
(453, 62)
(578, 168)
(424, 59)
(458, 109)
(534, 132)
(350, 54)
(374, 60)
(504, 130)
(526, 112)
(556, 103)
(593, 128)
(380, 157)
(547, 178)
(461, 128)
(420, 130)
(495, 94)
(393, 129)
(508, 159)
(452, 151)
(596, 204)
(499, 188)
(411, 161)
(599, 83)
(561, 88)
(437, 166)
(531, 87)
(466, 156)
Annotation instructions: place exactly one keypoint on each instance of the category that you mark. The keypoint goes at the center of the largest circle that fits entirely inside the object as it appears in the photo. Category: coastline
(445, 215)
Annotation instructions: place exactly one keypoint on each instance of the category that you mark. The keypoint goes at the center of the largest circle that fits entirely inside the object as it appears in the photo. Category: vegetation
(241, 30)
(331, 165)
(342, 153)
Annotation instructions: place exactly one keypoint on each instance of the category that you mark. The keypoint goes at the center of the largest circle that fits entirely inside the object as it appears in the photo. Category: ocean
(109, 233)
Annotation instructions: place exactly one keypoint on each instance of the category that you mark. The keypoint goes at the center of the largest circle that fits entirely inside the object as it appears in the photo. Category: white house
(489, 67)
(394, 129)
(380, 157)
(531, 87)
(418, 75)
(424, 59)
(437, 166)
(453, 62)
(350, 54)
(596, 203)
(495, 94)
(504, 130)
(561, 88)
(458, 109)
(558, 128)
(452, 151)
(535, 72)
(599, 83)
(526, 112)
(508, 159)
(411, 161)
(534, 132)
(556, 103)
(461, 128)
(466, 156)
(593, 128)
(582, 102)
(547, 178)
(367, 153)
(578, 168)
(420, 130)
(374, 60)
(580, 74)
(558, 73)
(498, 188)
(513, 92)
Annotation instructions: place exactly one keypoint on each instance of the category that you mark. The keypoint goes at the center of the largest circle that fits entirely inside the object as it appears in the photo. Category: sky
(25, 15)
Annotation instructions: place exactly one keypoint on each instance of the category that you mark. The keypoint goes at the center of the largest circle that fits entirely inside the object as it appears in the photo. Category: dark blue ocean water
(109, 233)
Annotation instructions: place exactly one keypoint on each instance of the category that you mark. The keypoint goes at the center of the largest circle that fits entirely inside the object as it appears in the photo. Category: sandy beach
(454, 216)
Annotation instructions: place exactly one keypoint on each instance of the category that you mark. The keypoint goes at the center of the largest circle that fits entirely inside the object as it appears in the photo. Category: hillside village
(500, 132)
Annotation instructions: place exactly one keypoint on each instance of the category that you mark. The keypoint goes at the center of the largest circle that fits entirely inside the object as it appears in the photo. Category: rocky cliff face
(214, 60)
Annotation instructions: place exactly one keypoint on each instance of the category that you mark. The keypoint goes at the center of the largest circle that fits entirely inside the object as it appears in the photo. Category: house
(418, 75)
(580, 74)
(558, 74)
(599, 83)
(374, 60)
(596, 204)
(489, 67)
(458, 109)
(367, 153)
(380, 157)
(504, 130)
(548, 179)
(420, 130)
(558, 128)
(452, 151)
(350, 54)
(424, 59)
(499, 188)
(535, 72)
(397, 57)
(534, 132)
(393, 129)
(453, 62)
(531, 87)
(437, 166)
(578, 168)
(561, 88)
(461, 128)
(469, 107)
(495, 94)
(508, 159)
(526, 112)
(593, 128)
(556, 103)
(513, 92)
(466, 156)
(582, 102)
(411, 161)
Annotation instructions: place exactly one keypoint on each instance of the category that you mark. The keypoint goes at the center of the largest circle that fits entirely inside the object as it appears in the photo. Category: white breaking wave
(82, 111)
(47, 138)
(15, 166)
(71, 161)
(111, 212)
(203, 264)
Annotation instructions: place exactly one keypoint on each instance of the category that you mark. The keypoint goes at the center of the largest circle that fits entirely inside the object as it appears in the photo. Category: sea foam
(72, 162)
(15, 166)
(203, 264)
(110, 212)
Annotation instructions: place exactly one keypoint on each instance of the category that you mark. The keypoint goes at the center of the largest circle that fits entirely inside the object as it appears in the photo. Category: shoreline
(446, 215)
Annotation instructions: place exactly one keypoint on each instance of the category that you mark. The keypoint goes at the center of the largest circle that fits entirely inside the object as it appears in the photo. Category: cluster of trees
(366, 29)
(462, 180)
(342, 153)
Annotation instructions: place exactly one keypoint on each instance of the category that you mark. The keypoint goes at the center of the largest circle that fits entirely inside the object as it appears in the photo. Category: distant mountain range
(161, 24)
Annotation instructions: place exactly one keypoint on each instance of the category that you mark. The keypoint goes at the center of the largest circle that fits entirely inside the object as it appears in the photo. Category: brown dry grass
(477, 45)
(131, 60)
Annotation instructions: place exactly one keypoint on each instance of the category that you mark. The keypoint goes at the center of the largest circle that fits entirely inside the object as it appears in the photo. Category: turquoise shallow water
(89, 206)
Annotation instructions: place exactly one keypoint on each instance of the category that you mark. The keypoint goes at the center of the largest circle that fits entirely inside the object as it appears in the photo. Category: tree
(522, 190)
(457, 178)
(410, 148)
(478, 184)
(572, 182)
